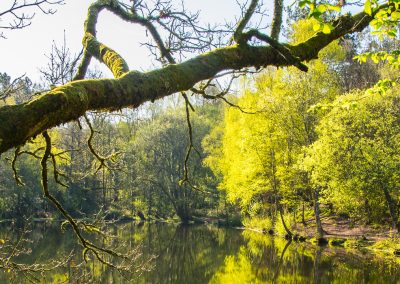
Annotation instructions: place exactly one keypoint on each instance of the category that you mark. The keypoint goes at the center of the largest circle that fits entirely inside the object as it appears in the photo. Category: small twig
(14, 168)
(102, 160)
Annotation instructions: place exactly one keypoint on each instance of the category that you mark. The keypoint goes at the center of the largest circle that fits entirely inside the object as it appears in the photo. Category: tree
(260, 150)
(356, 158)
(232, 49)
(133, 88)
(160, 147)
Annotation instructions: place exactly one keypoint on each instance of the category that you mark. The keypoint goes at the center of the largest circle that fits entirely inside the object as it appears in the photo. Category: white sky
(23, 52)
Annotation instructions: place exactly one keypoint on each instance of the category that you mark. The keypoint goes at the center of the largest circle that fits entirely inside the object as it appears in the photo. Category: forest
(274, 136)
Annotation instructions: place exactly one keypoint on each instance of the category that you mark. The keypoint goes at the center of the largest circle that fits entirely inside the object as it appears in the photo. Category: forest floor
(336, 227)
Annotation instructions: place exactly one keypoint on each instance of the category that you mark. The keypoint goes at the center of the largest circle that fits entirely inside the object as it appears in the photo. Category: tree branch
(70, 101)
(93, 47)
(244, 21)
(277, 19)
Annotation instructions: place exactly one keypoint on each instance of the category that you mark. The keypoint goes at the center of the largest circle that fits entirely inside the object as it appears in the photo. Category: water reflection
(205, 254)
(263, 259)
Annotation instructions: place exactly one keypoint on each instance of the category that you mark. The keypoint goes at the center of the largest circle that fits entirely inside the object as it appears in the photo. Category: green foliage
(143, 177)
(356, 156)
(318, 12)
(160, 147)
(259, 151)
(260, 223)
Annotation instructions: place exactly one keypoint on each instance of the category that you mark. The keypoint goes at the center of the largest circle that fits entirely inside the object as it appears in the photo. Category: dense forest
(280, 150)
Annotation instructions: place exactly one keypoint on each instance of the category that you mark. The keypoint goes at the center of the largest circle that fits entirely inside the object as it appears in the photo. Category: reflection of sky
(24, 50)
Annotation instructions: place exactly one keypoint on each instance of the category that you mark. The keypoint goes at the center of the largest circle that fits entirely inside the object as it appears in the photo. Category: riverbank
(340, 232)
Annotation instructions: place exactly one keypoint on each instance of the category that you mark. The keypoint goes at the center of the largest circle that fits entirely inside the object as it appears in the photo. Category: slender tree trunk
(303, 220)
(288, 232)
(368, 211)
(317, 212)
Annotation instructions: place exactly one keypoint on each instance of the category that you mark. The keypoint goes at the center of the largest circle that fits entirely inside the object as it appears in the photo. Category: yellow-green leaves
(382, 87)
(357, 151)
(317, 12)
(392, 58)
(385, 25)
(385, 22)
(259, 150)
(327, 28)
(367, 7)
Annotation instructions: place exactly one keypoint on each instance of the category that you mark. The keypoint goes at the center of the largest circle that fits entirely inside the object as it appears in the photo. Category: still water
(199, 254)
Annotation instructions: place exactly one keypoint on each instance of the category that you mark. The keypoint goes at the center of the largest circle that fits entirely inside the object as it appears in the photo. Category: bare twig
(101, 159)
(10, 88)
(88, 246)
(15, 16)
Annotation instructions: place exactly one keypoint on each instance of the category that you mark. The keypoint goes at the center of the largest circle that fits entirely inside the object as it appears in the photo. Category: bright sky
(23, 52)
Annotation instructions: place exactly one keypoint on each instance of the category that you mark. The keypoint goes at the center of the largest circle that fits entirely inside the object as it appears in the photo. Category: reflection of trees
(192, 254)
(281, 260)
(201, 254)
(265, 259)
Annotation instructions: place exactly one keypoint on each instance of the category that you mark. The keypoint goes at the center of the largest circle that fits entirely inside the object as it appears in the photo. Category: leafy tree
(260, 150)
(356, 158)
(160, 148)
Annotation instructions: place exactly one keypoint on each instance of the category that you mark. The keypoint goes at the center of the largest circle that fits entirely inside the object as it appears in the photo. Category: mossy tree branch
(277, 19)
(131, 89)
(93, 47)
(237, 36)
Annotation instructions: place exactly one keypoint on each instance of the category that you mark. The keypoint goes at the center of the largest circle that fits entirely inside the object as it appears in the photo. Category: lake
(172, 253)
